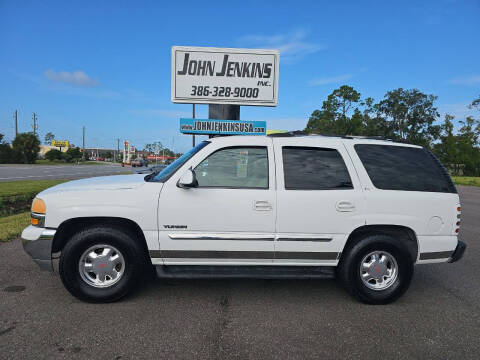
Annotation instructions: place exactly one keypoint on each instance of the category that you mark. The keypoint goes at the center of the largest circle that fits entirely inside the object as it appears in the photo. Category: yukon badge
(175, 226)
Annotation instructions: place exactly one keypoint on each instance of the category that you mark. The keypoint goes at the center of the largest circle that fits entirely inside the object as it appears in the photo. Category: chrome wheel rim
(101, 266)
(378, 270)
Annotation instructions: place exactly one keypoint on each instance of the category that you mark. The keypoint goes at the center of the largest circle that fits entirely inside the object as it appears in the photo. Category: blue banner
(222, 127)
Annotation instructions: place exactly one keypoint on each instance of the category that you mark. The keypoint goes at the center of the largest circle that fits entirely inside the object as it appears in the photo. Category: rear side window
(308, 168)
(404, 168)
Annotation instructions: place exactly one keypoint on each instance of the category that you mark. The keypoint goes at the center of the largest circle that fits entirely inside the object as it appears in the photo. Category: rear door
(230, 217)
(319, 200)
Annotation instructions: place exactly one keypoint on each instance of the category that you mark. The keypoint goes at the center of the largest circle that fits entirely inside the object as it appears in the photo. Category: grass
(16, 196)
(466, 180)
(21, 187)
(11, 226)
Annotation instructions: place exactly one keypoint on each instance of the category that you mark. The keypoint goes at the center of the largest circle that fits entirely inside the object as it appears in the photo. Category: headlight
(38, 212)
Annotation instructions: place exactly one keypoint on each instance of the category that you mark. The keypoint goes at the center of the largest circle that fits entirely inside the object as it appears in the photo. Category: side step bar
(248, 272)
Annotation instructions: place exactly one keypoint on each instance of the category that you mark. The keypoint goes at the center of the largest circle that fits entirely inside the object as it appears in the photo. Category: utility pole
(35, 126)
(193, 117)
(16, 123)
(118, 149)
(83, 143)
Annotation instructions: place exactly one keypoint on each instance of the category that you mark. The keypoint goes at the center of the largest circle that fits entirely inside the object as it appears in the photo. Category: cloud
(76, 78)
(466, 80)
(330, 80)
(292, 45)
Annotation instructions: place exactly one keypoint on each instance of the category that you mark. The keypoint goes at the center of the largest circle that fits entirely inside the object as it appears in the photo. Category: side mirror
(188, 180)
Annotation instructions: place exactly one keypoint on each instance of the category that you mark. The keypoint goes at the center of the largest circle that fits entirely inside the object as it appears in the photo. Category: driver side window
(234, 167)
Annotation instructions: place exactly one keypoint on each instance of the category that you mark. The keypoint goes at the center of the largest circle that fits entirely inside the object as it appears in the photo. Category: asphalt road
(41, 172)
(438, 318)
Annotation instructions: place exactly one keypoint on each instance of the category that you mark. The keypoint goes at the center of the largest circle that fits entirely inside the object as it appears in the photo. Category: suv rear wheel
(101, 264)
(376, 269)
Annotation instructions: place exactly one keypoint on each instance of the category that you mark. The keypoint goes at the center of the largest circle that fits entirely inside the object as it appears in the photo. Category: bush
(27, 146)
(6, 154)
(73, 154)
(54, 154)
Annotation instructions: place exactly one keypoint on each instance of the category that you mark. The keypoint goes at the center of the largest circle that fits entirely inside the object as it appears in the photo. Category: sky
(106, 65)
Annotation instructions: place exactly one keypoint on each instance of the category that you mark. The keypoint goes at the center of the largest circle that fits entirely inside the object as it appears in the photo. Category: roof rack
(303, 133)
(289, 134)
(366, 137)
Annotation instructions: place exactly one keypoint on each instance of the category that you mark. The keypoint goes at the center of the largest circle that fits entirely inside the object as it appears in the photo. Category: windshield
(165, 174)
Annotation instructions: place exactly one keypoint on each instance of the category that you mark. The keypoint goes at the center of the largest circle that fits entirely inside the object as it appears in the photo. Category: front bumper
(37, 242)
(458, 253)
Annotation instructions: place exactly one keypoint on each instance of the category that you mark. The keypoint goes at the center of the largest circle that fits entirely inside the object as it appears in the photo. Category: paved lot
(438, 318)
(41, 172)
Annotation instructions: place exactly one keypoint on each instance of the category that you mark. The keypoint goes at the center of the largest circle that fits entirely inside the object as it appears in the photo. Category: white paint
(230, 212)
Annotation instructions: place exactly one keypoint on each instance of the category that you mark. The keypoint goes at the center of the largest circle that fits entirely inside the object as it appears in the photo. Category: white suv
(255, 206)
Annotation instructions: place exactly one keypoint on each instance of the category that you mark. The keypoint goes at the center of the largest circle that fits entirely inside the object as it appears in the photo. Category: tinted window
(404, 168)
(236, 167)
(314, 169)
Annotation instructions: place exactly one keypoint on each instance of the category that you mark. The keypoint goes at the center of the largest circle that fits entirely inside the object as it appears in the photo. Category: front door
(229, 218)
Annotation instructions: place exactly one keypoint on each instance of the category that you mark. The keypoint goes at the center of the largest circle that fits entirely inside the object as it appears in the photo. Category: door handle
(345, 206)
(262, 205)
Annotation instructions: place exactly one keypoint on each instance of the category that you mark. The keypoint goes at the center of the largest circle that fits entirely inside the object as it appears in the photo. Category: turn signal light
(38, 206)
(456, 230)
(459, 209)
(34, 221)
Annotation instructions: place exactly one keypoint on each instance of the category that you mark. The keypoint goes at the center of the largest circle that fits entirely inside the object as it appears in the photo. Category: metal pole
(16, 124)
(193, 117)
(83, 143)
(118, 149)
(34, 124)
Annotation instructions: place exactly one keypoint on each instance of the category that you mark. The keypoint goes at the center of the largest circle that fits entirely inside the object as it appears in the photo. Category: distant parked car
(139, 162)
(151, 169)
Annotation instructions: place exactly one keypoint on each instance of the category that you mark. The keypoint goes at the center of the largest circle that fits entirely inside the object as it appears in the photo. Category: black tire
(123, 240)
(349, 268)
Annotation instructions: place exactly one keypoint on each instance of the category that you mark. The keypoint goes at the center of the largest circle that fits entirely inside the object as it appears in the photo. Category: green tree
(72, 154)
(410, 116)
(54, 154)
(7, 155)
(447, 148)
(373, 123)
(333, 118)
(108, 155)
(475, 104)
(27, 146)
(469, 152)
(49, 137)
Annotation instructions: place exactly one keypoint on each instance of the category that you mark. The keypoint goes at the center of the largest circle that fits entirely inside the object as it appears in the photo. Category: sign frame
(224, 100)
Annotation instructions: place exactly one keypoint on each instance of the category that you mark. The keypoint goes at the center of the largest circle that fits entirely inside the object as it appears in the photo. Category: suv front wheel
(101, 264)
(376, 269)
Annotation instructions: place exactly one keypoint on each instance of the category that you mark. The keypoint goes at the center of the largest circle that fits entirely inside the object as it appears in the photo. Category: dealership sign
(225, 76)
(60, 143)
(222, 127)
